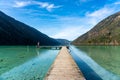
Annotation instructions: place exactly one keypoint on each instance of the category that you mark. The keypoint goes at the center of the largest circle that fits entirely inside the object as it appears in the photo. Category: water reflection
(37, 51)
(33, 68)
(100, 58)
(106, 56)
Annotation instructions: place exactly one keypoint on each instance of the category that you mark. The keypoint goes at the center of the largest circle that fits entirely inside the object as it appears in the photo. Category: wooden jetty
(64, 68)
(51, 47)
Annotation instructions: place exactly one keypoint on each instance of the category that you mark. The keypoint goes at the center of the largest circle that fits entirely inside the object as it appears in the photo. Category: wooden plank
(64, 68)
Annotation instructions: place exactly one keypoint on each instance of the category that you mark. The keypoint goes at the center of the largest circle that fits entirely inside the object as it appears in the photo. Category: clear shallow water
(103, 60)
(25, 62)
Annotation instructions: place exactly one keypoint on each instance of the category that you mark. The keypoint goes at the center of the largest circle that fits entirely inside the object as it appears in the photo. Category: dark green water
(104, 60)
(25, 62)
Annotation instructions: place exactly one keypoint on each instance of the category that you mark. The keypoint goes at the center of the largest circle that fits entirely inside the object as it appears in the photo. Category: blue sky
(66, 19)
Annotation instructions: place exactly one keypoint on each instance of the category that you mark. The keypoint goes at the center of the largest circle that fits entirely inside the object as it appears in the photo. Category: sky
(67, 19)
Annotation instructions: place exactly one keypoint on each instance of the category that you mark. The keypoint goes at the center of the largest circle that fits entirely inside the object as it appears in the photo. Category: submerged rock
(1, 60)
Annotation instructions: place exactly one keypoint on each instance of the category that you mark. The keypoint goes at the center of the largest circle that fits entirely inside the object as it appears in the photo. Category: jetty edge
(64, 67)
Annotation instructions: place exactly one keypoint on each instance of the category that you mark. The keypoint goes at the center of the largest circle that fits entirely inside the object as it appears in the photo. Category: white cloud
(70, 32)
(90, 19)
(21, 3)
(47, 5)
(117, 3)
(94, 17)
(99, 13)
(73, 27)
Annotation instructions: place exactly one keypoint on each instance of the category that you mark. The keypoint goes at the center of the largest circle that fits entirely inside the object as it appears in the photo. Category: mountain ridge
(13, 32)
(105, 32)
(64, 41)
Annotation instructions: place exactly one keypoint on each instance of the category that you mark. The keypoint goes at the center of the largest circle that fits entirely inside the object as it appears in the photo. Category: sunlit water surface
(25, 62)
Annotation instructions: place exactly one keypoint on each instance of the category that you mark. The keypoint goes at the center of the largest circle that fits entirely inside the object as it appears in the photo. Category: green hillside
(106, 32)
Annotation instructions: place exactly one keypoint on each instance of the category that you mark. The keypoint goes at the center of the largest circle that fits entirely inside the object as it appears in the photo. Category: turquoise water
(25, 62)
(104, 60)
(31, 63)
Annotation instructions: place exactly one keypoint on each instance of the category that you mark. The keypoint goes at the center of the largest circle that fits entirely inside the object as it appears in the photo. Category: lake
(25, 62)
(100, 62)
(31, 63)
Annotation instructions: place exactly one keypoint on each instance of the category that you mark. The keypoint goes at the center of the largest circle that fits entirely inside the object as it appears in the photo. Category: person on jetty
(38, 44)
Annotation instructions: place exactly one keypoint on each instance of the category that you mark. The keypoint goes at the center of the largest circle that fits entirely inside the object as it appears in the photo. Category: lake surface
(101, 61)
(31, 63)
(25, 62)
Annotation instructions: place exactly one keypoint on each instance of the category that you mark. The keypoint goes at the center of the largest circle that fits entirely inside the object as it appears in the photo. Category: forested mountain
(13, 32)
(63, 41)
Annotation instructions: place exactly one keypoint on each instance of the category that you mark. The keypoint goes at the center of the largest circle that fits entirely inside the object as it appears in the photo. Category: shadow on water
(88, 73)
(106, 56)
(91, 60)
